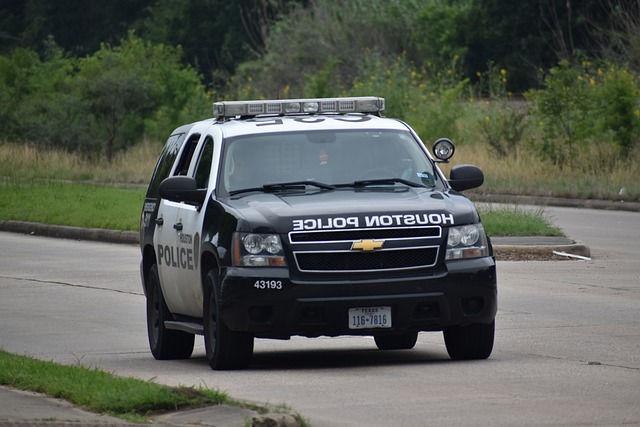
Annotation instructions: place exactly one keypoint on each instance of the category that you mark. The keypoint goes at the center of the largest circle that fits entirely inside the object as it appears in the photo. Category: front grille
(331, 251)
(347, 261)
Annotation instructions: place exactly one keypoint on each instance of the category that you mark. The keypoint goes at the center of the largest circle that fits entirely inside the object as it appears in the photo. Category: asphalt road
(567, 343)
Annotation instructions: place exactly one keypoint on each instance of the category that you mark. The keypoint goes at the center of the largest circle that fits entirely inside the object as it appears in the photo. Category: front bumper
(270, 305)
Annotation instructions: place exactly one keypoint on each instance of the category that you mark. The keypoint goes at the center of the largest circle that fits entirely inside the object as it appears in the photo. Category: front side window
(328, 157)
(186, 155)
(203, 168)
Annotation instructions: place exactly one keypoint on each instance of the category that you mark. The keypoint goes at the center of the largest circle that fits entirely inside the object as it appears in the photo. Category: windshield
(333, 158)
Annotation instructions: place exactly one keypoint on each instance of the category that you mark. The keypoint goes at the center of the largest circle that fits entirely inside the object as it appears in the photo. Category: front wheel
(165, 344)
(470, 342)
(226, 349)
(404, 341)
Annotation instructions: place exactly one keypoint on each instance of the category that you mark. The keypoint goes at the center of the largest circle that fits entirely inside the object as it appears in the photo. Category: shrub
(580, 105)
(504, 118)
(102, 103)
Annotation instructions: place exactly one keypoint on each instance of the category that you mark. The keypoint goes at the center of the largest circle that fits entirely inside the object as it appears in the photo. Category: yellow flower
(478, 73)
(592, 81)
(503, 72)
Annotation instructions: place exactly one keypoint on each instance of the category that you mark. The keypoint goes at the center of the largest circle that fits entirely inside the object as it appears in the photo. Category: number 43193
(268, 284)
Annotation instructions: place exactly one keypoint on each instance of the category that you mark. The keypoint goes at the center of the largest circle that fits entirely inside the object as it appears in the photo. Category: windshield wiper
(381, 181)
(293, 185)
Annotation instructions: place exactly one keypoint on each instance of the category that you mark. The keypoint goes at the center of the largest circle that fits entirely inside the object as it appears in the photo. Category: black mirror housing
(182, 189)
(465, 177)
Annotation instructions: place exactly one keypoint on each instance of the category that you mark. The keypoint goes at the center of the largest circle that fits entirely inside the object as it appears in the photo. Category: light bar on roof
(361, 104)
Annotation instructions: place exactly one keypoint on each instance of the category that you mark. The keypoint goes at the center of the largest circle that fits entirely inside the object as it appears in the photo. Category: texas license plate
(369, 317)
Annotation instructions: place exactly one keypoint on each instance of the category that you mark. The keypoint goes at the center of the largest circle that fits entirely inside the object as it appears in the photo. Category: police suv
(311, 217)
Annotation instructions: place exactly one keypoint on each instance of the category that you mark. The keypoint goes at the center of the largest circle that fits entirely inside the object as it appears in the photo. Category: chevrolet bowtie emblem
(367, 245)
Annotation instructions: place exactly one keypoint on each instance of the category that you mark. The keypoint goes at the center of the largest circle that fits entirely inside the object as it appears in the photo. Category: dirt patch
(524, 254)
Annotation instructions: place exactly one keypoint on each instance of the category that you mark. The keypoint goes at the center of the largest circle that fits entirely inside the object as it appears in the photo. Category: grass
(101, 392)
(115, 208)
(75, 204)
(515, 221)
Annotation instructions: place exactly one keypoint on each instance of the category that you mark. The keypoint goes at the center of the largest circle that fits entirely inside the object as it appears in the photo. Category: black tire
(404, 341)
(225, 348)
(165, 344)
(470, 342)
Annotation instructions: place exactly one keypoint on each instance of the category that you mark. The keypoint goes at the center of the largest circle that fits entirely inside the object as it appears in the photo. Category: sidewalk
(23, 408)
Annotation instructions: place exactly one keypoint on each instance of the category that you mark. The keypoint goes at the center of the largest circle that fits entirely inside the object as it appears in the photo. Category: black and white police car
(312, 217)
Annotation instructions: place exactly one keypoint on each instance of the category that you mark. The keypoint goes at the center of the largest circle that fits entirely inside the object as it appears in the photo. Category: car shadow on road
(343, 358)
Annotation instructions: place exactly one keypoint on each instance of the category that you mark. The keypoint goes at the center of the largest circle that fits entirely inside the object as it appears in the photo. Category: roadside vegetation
(118, 208)
(100, 392)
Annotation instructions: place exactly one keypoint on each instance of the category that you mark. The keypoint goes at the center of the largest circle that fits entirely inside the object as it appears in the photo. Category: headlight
(257, 250)
(467, 241)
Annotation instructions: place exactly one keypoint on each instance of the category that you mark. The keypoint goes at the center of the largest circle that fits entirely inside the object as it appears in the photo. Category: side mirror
(182, 189)
(465, 177)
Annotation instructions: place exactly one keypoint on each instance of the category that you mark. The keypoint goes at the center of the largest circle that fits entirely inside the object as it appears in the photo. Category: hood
(283, 212)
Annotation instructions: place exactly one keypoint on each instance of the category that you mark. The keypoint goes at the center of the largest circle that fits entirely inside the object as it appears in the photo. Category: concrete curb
(532, 252)
(74, 233)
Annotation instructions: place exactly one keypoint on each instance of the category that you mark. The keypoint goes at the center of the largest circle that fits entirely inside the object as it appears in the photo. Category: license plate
(369, 317)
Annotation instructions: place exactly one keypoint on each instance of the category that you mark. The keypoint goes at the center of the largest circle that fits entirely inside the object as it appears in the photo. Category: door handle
(160, 221)
(178, 226)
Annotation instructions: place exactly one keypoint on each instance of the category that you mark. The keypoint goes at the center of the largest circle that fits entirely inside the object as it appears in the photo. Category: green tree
(39, 102)
(131, 86)
(101, 103)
